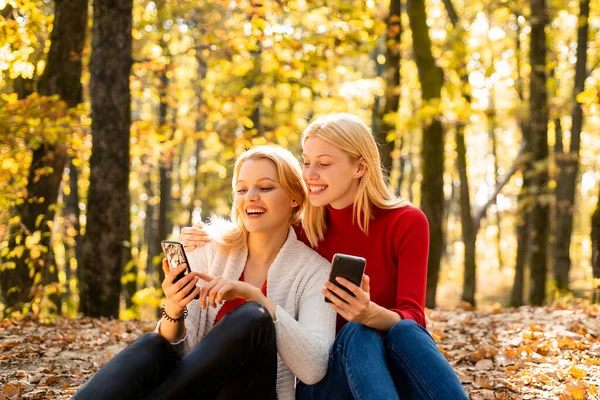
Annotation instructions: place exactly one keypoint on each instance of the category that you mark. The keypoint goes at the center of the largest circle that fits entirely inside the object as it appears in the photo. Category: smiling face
(261, 202)
(331, 175)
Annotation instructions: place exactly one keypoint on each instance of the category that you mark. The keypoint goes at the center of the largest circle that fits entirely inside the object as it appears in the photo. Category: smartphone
(176, 256)
(348, 267)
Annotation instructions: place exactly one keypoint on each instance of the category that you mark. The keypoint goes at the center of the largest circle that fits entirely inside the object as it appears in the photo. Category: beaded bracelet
(168, 318)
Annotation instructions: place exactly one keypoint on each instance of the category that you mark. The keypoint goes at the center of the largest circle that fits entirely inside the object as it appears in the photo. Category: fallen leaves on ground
(524, 353)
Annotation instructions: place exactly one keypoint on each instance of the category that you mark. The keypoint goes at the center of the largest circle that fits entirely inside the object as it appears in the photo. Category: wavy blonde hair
(290, 178)
(350, 134)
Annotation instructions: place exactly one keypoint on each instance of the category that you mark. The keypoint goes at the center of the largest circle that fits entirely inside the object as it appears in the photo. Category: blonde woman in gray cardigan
(260, 320)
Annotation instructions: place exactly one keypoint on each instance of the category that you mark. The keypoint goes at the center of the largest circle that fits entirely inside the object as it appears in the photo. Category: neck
(263, 247)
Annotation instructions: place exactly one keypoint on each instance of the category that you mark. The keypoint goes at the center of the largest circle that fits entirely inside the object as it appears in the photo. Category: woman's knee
(406, 331)
(252, 316)
(151, 346)
(152, 341)
(354, 332)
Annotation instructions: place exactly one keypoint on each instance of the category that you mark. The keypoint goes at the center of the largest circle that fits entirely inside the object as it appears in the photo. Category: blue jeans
(406, 364)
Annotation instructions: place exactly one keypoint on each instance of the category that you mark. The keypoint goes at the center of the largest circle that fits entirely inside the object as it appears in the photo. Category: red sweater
(396, 250)
(231, 305)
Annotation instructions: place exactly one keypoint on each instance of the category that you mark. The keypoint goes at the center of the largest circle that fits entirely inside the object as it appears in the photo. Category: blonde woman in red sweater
(382, 350)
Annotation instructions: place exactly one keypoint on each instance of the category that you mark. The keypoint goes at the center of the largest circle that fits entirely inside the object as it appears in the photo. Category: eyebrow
(320, 155)
(261, 179)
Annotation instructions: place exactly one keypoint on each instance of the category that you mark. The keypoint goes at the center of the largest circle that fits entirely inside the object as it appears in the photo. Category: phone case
(348, 267)
(175, 256)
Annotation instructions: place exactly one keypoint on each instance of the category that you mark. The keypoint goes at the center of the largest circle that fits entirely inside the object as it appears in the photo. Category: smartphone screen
(348, 267)
(175, 255)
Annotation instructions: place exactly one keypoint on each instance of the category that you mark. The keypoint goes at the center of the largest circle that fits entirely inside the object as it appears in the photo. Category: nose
(252, 194)
(310, 173)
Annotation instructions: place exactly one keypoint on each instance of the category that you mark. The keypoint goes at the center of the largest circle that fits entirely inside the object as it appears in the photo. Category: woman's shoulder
(405, 214)
(300, 253)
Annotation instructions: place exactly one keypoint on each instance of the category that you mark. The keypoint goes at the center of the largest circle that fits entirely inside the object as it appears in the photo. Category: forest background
(120, 123)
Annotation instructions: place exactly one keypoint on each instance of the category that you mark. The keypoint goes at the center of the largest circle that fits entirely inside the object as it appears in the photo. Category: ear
(294, 203)
(361, 169)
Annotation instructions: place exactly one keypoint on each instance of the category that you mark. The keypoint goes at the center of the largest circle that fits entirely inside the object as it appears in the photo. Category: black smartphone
(348, 267)
(175, 255)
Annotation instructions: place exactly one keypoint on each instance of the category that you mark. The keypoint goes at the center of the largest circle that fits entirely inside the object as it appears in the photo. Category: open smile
(255, 212)
(316, 189)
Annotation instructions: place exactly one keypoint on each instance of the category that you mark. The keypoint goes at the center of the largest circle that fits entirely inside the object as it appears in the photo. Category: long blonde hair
(290, 179)
(350, 134)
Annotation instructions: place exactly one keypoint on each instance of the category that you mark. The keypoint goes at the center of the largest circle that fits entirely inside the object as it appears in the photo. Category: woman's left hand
(354, 309)
(218, 289)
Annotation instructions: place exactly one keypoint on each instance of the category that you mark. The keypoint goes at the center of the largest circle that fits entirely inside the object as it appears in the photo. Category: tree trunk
(468, 225)
(432, 185)
(108, 198)
(196, 197)
(71, 214)
(596, 251)
(387, 133)
(151, 231)
(492, 125)
(255, 83)
(61, 76)
(568, 164)
(469, 235)
(523, 199)
(538, 110)
(164, 173)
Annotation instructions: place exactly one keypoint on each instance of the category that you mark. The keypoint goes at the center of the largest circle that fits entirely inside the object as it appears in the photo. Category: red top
(396, 251)
(231, 305)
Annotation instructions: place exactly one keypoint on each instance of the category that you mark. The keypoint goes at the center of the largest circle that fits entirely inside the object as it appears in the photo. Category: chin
(318, 202)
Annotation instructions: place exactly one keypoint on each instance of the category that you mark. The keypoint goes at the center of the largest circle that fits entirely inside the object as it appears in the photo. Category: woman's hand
(219, 289)
(193, 237)
(179, 293)
(356, 309)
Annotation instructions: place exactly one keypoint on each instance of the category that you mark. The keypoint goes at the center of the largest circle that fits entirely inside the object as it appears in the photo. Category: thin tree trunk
(151, 232)
(469, 235)
(468, 225)
(387, 133)
(568, 164)
(494, 140)
(108, 198)
(256, 12)
(523, 199)
(72, 214)
(596, 251)
(538, 110)
(403, 161)
(432, 185)
(61, 76)
(165, 175)
(197, 199)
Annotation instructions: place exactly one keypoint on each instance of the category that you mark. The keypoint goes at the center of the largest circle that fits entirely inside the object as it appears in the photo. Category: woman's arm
(304, 344)
(359, 308)
(412, 249)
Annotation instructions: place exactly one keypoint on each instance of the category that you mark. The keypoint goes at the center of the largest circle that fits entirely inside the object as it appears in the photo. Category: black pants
(236, 360)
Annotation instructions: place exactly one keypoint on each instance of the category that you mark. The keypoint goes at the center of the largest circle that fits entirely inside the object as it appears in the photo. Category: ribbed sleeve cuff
(406, 314)
(175, 343)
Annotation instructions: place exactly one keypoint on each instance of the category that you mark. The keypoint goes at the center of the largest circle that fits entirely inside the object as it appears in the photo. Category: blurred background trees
(120, 125)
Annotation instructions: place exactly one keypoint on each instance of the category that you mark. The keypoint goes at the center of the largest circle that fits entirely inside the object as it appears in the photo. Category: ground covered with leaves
(525, 353)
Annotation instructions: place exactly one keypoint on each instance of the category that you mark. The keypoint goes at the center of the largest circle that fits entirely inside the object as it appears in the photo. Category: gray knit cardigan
(304, 323)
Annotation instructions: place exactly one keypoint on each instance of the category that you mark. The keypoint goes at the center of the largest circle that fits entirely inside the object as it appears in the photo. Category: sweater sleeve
(304, 344)
(412, 249)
